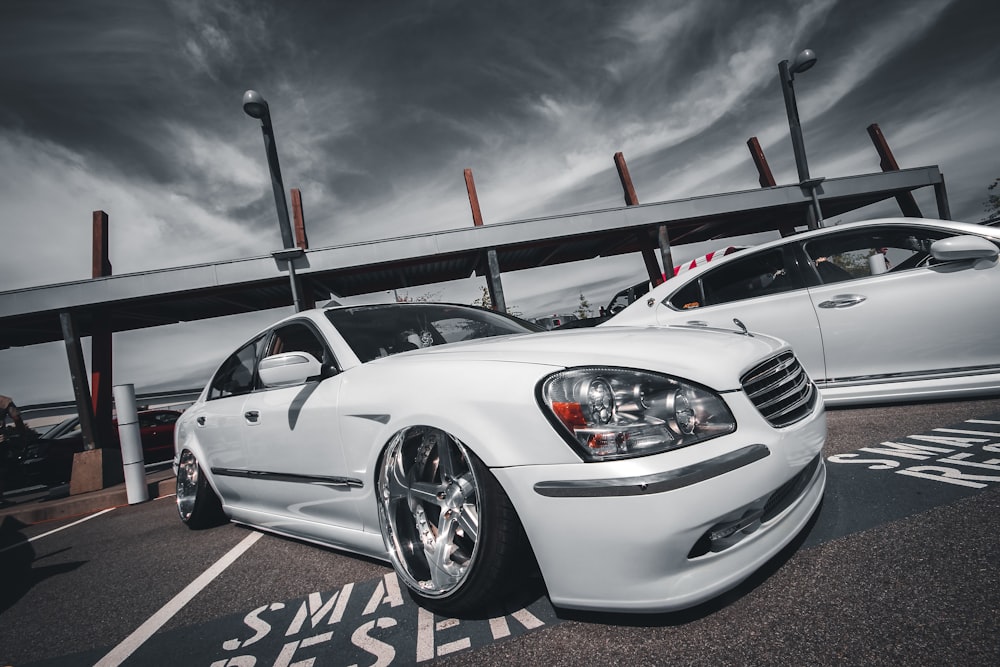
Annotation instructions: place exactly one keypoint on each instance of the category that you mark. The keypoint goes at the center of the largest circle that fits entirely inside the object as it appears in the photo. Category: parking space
(898, 567)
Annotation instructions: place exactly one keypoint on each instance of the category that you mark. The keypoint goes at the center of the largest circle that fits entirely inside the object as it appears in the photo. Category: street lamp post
(786, 73)
(255, 106)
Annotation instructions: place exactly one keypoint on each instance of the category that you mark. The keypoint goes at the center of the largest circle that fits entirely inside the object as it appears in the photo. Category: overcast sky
(134, 107)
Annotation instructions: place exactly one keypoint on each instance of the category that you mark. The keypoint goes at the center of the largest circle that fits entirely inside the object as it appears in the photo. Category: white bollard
(128, 435)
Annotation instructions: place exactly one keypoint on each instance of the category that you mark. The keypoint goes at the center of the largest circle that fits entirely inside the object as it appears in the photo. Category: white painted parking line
(56, 530)
(120, 653)
(985, 434)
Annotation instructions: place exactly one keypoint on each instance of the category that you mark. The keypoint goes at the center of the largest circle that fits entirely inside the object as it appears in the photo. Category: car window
(167, 417)
(149, 419)
(73, 432)
(758, 274)
(862, 253)
(619, 301)
(236, 374)
(301, 337)
(385, 329)
(688, 297)
(298, 337)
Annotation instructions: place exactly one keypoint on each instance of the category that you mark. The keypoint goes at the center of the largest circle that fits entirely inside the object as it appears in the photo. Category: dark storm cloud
(378, 106)
(88, 76)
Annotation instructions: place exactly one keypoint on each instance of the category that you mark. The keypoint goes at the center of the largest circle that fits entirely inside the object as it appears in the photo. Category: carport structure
(112, 303)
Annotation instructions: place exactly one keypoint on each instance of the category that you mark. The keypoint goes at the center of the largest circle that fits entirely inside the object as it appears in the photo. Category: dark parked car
(49, 459)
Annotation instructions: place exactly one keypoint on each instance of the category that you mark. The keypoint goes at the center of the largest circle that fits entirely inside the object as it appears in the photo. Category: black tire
(449, 528)
(197, 503)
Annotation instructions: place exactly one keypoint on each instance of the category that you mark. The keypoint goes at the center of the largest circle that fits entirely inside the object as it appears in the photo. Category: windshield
(67, 428)
(381, 330)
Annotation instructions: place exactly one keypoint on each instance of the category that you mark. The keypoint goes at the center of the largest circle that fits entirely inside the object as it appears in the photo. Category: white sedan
(877, 311)
(641, 469)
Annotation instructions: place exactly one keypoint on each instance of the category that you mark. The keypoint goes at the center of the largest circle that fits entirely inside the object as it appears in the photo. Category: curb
(86, 503)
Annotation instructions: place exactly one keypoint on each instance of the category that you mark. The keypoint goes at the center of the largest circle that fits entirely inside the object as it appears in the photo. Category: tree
(583, 310)
(992, 203)
(486, 302)
(404, 297)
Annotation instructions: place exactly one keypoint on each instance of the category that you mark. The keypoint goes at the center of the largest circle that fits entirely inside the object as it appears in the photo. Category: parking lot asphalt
(898, 567)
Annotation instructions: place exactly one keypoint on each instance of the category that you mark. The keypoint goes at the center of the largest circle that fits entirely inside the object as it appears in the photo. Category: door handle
(697, 323)
(201, 420)
(252, 416)
(843, 301)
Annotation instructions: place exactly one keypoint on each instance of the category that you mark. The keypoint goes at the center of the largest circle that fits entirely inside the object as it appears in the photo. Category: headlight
(613, 413)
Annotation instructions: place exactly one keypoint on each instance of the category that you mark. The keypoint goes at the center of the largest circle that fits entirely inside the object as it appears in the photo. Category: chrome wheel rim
(187, 484)
(429, 510)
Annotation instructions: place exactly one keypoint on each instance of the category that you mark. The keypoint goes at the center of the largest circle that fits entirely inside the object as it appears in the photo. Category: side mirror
(288, 368)
(963, 247)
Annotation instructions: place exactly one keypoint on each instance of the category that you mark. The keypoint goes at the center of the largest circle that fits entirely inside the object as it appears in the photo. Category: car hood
(714, 357)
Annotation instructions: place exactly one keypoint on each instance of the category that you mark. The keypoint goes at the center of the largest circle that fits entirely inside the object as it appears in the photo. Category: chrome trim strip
(797, 382)
(772, 367)
(658, 483)
(804, 400)
(316, 480)
(910, 376)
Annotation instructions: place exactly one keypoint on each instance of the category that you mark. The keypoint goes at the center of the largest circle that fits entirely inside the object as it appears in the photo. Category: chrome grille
(781, 390)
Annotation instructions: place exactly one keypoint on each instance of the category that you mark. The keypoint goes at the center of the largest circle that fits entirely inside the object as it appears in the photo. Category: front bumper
(670, 531)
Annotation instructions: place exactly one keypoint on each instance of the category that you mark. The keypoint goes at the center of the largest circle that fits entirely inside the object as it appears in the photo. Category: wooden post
(764, 175)
(647, 248)
(493, 283)
(101, 354)
(300, 222)
(630, 197)
(100, 259)
(907, 204)
(307, 299)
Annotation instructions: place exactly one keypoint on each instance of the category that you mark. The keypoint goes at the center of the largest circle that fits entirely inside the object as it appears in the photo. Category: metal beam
(78, 376)
(30, 316)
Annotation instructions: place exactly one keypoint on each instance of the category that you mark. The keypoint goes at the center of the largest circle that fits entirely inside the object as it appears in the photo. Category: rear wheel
(450, 530)
(197, 503)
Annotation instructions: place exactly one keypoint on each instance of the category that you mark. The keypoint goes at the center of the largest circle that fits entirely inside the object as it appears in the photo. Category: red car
(49, 459)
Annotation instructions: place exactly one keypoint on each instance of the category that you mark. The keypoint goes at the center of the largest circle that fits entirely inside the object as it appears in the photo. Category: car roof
(959, 227)
(673, 283)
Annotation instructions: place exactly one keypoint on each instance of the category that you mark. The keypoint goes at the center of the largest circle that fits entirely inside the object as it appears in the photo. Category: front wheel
(197, 503)
(450, 530)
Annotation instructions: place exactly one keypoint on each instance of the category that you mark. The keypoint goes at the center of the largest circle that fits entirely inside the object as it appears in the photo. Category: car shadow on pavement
(708, 608)
(18, 571)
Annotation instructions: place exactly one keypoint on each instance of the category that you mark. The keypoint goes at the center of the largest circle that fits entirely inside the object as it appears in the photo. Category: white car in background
(877, 311)
(642, 469)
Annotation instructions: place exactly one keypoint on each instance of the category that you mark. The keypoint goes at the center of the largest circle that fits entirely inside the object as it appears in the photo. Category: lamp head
(255, 105)
(802, 62)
